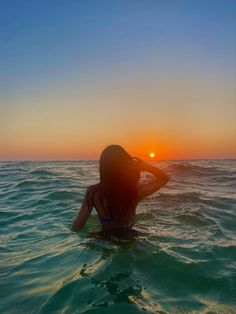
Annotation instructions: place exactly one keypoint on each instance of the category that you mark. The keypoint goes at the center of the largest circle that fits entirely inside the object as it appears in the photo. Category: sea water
(183, 259)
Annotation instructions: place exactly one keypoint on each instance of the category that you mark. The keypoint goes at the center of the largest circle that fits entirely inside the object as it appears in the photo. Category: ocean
(183, 259)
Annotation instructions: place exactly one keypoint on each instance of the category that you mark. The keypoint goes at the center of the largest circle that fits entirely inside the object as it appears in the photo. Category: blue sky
(40, 38)
(50, 48)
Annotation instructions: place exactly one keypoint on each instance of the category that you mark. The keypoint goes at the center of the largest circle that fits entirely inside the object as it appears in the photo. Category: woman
(118, 193)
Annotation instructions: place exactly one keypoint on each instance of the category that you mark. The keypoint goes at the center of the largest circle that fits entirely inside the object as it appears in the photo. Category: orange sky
(157, 78)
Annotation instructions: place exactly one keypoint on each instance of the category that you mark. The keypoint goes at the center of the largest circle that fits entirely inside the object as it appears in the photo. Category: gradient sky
(151, 75)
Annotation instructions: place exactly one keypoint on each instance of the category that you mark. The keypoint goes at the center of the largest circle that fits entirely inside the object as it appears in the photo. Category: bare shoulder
(92, 188)
(90, 192)
(85, 209)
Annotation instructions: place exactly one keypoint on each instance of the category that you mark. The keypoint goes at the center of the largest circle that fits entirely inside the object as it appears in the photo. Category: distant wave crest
(189, 169)
(61, 195)
(41, 172)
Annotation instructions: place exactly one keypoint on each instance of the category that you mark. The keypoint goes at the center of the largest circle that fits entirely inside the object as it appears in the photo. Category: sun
(152, 155)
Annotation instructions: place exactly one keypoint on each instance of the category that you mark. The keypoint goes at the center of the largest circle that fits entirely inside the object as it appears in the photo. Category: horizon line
(74, 160)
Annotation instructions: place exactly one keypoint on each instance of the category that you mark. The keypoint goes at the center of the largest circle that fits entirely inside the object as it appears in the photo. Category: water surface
(182, 261)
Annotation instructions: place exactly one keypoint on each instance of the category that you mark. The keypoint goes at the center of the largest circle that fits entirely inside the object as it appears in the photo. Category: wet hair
(118, 182)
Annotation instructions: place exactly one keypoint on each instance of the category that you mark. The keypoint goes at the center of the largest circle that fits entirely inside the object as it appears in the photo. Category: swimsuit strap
(105, 220)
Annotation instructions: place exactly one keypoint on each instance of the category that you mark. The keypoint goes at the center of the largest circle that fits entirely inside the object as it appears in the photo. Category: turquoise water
(182, 261)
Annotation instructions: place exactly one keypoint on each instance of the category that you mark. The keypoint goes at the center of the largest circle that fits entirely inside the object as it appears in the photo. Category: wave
(62, 195)
(41, 172)
(188, 196)
(26, 183)
(196, 170)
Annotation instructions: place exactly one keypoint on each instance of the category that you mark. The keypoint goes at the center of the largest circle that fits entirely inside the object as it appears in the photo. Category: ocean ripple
(180, 258)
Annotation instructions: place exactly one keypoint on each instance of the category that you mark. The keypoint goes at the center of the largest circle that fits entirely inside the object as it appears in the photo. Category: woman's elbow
(166, 179)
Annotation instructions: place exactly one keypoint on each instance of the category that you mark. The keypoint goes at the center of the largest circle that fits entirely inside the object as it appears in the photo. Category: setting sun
(152, 155)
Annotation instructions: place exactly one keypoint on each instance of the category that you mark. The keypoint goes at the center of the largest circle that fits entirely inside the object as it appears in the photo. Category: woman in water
(118, 193)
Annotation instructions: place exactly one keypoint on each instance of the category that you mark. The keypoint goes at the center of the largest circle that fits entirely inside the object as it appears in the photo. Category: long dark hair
(118, 181)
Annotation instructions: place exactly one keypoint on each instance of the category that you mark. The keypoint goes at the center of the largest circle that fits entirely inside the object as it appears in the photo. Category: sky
(153, 76)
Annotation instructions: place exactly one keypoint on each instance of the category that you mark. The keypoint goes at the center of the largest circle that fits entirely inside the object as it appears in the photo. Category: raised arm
(84, 212)
(161, 179)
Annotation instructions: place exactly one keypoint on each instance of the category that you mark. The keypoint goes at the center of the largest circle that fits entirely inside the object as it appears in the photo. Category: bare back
(103, 213)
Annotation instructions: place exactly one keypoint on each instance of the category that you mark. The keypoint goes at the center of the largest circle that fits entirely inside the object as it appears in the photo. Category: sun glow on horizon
(152, 155)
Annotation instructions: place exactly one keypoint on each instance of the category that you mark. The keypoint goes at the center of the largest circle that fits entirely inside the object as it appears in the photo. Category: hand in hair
(147, 188)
